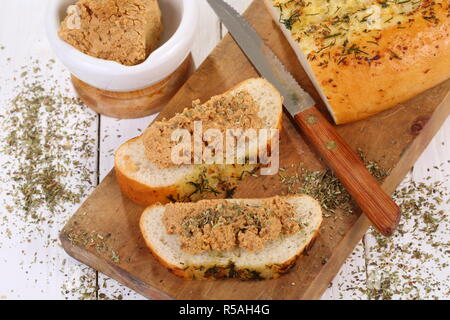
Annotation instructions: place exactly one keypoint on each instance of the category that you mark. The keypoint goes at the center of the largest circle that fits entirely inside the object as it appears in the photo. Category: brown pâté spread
(237, 111)
(224, 225)
(125, 31)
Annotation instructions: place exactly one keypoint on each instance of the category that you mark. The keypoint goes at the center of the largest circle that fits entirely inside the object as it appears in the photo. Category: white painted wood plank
(350, 281)
(240, 6)
(208, 33)
(414, 264)
(33, 264)
(436, 154)
(113, 133)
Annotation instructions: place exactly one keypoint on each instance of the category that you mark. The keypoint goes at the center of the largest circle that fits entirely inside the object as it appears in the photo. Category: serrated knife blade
(351, 171)
(262, 57)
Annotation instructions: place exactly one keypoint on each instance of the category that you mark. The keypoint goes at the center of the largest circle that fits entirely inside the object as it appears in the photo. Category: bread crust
(220, 272)
(181, 191)
(408, 59)
(139, 192)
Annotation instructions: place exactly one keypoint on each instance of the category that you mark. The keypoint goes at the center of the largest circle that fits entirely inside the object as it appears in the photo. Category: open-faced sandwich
(247, 239)
(144, 167)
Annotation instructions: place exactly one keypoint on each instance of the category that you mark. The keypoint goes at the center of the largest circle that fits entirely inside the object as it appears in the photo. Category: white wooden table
(32, 263)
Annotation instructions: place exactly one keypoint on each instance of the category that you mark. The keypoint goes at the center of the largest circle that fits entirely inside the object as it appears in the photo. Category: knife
(348, 167)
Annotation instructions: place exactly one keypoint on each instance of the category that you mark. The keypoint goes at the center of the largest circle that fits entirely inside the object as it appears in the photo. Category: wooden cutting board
(104, 232)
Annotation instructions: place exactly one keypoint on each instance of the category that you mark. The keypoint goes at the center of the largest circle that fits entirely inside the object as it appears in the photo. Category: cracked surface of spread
(321, 25)
(224, 225)
(125, 31)
(238, 111)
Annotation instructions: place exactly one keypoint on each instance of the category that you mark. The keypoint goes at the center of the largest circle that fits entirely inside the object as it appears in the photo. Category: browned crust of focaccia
(220, 272)
(408, 60)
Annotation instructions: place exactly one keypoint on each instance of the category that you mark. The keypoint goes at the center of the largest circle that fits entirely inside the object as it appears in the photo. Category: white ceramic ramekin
(180, 23)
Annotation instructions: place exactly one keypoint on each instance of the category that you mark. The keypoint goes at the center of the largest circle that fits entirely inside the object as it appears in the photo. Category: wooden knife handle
(348, 167)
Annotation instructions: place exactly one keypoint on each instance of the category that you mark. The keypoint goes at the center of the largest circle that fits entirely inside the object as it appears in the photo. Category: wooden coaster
(133, 104)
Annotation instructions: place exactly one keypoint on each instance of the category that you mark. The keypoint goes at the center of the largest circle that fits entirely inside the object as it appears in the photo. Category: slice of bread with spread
(182, 236)
(365, 56)
(146, 182)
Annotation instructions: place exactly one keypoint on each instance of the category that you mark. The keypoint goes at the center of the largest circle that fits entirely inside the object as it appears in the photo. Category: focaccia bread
(366, 56)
